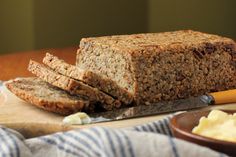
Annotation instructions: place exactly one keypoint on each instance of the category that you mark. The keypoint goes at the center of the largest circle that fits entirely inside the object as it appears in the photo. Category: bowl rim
(196, 136)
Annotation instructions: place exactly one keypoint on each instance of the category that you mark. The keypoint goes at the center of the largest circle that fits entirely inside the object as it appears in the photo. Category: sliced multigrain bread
(162, 66)
(93, 79)
(46, 96)
(73, 86)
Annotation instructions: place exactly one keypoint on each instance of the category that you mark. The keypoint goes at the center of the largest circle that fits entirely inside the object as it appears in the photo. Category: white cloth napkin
(148, 140)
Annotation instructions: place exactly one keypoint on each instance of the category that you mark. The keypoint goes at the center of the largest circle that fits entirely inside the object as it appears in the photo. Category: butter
(77, 118)
(218, 125)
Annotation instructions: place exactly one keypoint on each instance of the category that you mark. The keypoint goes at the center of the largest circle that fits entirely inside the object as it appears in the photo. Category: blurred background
(35, 24)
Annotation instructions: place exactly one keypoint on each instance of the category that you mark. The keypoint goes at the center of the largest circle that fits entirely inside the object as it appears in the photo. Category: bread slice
(46, 96)
(162, 66)
(95, 80)
(73, 86)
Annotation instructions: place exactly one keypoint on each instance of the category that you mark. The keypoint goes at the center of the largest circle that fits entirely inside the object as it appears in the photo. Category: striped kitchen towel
(148, 140)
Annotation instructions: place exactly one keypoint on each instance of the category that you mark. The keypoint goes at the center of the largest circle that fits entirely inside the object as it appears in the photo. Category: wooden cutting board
(32, 121)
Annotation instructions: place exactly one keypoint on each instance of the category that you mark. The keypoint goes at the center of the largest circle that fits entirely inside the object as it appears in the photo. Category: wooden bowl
(182, 125)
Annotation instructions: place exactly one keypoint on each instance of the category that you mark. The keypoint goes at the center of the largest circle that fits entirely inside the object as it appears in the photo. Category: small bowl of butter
(215, 129)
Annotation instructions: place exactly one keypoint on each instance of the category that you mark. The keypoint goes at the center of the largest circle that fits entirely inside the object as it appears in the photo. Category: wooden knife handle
(224, 97)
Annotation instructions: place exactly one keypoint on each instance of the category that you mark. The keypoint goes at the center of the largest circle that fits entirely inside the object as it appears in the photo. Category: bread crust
(162, 66)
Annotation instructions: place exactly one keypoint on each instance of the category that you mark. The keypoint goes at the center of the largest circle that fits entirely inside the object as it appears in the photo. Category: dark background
(37, 24)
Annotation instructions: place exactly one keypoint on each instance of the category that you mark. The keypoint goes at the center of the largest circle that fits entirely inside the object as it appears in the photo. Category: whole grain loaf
(73, 86)
(93, 79)
(162, 66)
(46, 96)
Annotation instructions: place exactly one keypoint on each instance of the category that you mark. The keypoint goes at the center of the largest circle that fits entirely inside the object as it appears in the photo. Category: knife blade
(166, 106)
(152, 109)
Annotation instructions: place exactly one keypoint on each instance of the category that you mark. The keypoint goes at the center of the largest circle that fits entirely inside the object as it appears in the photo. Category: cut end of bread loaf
(50, 76)
(109, 64)
(73, 86)
(62, 67)
(93, 79)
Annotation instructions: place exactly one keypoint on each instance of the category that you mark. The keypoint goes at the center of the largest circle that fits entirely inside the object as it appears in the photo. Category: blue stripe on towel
(166, 125)
(59, 146)
(71, 145)
(14, 140)
(173, 146)
(143, 127)
(99, 132)
(136, 128)
(10, 131)
(88, 136)
(95, 130)
(110, 141)
(2, 152)
(82, 141)
(120, 144)
(150, 127)
(157, 127)
(162, 128)
(6, 139)
(129, 144)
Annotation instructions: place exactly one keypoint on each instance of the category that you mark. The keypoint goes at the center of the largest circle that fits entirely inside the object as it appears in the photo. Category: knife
(215, 98)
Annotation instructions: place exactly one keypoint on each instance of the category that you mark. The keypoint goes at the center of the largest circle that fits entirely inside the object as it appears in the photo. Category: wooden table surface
(15, 64)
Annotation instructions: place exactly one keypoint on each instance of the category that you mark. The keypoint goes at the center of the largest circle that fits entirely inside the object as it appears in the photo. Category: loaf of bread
(162, 66)
(73, 86)
(93, 79)
(46, 96)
